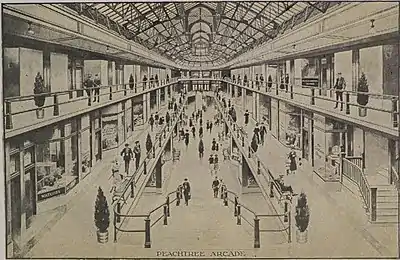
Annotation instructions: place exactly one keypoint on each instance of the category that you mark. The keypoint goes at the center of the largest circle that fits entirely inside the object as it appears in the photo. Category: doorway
(30, 196)
(16, 208)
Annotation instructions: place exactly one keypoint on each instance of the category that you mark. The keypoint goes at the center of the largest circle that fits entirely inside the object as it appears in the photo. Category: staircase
(386, 197)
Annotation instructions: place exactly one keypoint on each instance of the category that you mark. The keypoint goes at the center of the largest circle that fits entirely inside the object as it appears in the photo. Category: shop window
(85, 152)
(109, 132)
(137, 104)
(153, 101)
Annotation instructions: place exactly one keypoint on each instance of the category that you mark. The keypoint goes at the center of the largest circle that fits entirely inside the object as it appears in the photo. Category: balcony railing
(21, 111)
(382, 110)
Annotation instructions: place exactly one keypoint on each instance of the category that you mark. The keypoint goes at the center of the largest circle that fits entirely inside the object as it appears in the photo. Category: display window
(290, 125)
(109, 132)
(137, 110)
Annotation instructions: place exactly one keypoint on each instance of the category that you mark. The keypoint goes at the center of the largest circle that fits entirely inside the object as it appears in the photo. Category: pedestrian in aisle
(156, 117)
(194, 131)
(207, 125)
(137, 151)
(211, 125)
(263, 131)
(117, 177)
(151, 122)
(216, 165)
(187, 138)
(257, 133)
(211, 163)
(186, 191)
(215, 187)
(292, 161)
(97, 83)
(190, 122)
(201, 149)
(340, 86)
(246, 117)
(214, 145)
(167, 118)
(127, 155)
(179, 194)
(201, 132)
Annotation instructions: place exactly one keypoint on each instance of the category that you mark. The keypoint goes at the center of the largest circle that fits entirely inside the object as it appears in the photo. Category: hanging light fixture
(108, 49)
(372, 30)
(294, 46)
(30, 31)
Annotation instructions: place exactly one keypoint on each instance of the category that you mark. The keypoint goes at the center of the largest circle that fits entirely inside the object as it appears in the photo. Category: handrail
(357, 175)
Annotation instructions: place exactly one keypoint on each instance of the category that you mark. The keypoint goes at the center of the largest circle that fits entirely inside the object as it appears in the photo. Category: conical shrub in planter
(39, 88)
(302, 218)
(149, 145)
(101, 217)
(362, 99)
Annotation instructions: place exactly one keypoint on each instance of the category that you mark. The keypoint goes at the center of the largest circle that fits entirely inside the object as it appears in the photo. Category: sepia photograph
(200, 129)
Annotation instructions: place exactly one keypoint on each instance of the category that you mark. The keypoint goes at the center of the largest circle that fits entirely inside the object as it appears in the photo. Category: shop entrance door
(16, 208)
(97, 150)
(30, 196)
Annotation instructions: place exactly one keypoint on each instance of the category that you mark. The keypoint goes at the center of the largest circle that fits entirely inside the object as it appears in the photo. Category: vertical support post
(235, 206)
(9, 124)
(168, 211)
(115, 229)
(291, 91)
(290, 227)
(373, 204)
(110, 93)
(133, 188)
(154, 152)
(242, 140)
(312, 102)
(125, 92)
(258, 167)
(347, 103)
(165, 214)
(147, 242)
(285, 217)
(118, 212)
(144, 167)
(56, 110)
(256, 232)
(395, 112)
(238, 217)
(249, 152)
(225, 198)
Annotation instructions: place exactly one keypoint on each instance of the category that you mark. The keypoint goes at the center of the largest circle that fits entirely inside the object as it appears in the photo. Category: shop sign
(50, 194)
(309, 82)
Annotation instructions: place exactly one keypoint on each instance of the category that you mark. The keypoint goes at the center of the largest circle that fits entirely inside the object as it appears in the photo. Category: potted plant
(362, 99)
(302, 218)
(38, 89)
(101, 217)
(149, 145)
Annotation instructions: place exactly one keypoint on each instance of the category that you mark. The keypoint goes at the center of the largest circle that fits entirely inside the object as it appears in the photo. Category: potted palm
(149, 145)
(362, 99)
(101, 217)
(302, 218)
(39, 89)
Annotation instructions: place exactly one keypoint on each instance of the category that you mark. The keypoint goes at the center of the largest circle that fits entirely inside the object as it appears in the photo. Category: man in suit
(137, 151)
(127, 155)
(340, 85)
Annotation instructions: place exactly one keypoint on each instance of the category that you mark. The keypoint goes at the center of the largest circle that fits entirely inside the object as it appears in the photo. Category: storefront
(274, 124)
(162, 97)
(109, 131)
(153, 102)
(137, 111)
(265, 110)
(329, 140)
(307, 137)
(290, 125)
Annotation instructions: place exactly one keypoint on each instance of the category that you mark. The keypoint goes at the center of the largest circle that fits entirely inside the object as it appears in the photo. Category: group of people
(218, 186)
(92, 86)
(157, 119)
(183, 191)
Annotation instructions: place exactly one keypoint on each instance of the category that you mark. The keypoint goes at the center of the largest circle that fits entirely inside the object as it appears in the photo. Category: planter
(362, 111)
(102, 237)
(40, 113)
(149, 155)
(301, 237)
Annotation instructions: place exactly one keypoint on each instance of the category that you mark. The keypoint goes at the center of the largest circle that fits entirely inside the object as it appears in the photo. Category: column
(245, 171)
(158, 170)
(258, 116)
(253, 104)
(22, 183)
(148, 105)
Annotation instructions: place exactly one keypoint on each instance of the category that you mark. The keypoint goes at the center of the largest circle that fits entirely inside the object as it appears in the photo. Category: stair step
(386, 219)
(385, 212)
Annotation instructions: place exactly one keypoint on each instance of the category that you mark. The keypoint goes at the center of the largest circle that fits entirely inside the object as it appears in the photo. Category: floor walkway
(331, 212)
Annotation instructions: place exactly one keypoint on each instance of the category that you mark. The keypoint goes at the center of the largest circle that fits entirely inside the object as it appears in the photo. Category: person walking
(201, 149)
(194, 131)
(187, 138)
(211, 163)
(167, 118)
(215, 187)
(263, 131)
(151, 122)
(186, 191)
(214, 145)
(257, 133)
(156, 117)
(340, 86)
(216, 165)
(246, 117)
(179, 194)
(222, 188)
(210, 126)
(117, 177)
(254, 143)
(292, 161)
(97, 83)
(127, 155)
(201, 131)
(137, 151)
(207, 125)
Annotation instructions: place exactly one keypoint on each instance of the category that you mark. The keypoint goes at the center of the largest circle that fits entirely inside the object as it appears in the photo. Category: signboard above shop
(310, 82)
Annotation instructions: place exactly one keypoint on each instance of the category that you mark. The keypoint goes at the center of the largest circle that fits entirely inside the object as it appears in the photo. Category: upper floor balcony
(25, 113)
(376, 111)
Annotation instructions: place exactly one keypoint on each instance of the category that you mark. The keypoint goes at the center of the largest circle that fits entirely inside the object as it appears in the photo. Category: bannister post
(276, 89)
(395, 112)
(159, 140)
(56, 110)
(144, 167)
(118, 212)
(132, 188)
(147, 243)
(243, 141)
(154, 152)
(258, 167)
(168, 211)
(238, 219)
(373, 204)
(256, 232)
(115, 228)
(291, 91)
(110, 93)
(165, 215)
(285, 217)
(89, 97)
(347, 103)
(125, 92)
(249, 152)
(235, 206)
(271, 190)
(9, 124)
(312, 96)
(225, 198)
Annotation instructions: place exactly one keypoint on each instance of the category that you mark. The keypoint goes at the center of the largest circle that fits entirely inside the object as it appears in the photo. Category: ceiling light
(294, 46)
(372, 30)
(30, 31)
(108, 49)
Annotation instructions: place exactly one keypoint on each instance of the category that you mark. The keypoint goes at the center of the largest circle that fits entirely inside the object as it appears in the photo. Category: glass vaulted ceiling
(199, 33)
